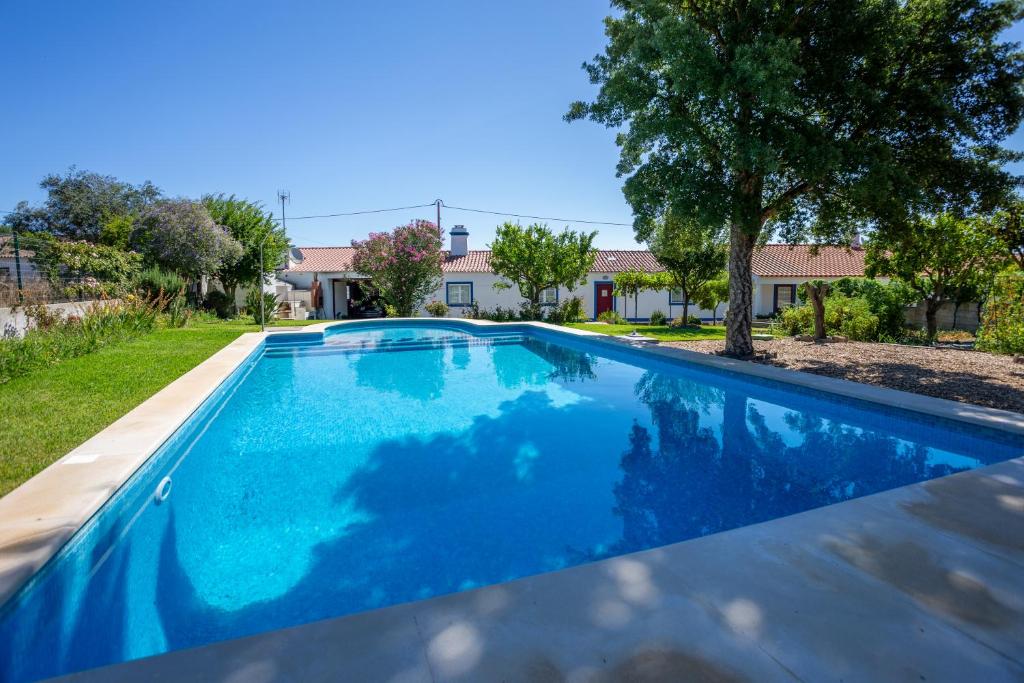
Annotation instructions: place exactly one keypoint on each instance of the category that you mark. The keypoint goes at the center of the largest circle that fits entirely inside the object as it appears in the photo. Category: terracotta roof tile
(772, 260)
(783, 260)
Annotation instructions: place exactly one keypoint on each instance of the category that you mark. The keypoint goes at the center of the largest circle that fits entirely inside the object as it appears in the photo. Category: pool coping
(41, 515)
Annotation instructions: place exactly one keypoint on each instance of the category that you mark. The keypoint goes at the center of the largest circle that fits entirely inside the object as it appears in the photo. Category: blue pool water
(383, 464)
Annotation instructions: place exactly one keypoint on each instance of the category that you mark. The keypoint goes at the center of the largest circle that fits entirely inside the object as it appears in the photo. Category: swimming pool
(383, 463)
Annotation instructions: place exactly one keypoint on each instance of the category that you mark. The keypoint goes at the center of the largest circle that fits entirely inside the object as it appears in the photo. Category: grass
(50, 411)
(659, 332)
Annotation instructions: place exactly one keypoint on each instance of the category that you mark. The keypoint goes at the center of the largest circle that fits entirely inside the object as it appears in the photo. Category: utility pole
(438, 203)
(17, 267)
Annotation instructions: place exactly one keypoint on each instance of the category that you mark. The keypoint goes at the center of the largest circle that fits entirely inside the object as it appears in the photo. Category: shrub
(252, 304)
(846, 316)
(658, 318)
(51, 340)
(221, 303)
(568, 311)
(691, 321)
(86, 269)
(611, 317)
(154, 281)
(178, 311)
(886, 301)
(1002, 322)
(438, 309)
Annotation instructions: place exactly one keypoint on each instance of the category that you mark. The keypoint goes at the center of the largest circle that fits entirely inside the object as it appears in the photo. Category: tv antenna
(284, 196)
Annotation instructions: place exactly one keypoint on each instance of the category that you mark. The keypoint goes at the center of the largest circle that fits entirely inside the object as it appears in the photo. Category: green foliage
(252, 304)
(180, 235)
(688, 321)
(53, 339)
(805, 119)
(86, 206)
(534, 258)
(154, 282)
(886, 301)
(846, 316)
(1002, 323)
(438, 309)
(84, 269)
(221, 303)
(713, 294)
(611, 317)
(569, 310)
(498, 314)
(629, 284)
(1008, 227)
(692, 255)
(658, 318)
(250, 225)
(940, 258)
(178, 311)
(403, 265)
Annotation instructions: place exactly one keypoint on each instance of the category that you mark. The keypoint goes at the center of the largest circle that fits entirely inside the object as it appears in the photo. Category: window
(785, 296)
(549, 296)
(675, 297)
(460, 293)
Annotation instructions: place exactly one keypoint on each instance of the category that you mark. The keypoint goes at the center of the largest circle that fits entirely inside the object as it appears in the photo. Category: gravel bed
(967, 376)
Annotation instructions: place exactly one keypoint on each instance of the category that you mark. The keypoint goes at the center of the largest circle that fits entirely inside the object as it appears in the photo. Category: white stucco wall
(488, 297)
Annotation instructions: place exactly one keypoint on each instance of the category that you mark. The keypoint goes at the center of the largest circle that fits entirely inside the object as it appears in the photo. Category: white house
(467, 279)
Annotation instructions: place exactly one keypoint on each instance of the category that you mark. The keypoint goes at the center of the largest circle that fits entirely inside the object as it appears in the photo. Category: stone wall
(966, 317)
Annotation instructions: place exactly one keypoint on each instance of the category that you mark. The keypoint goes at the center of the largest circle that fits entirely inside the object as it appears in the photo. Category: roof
(7, 248)
(772, 260)
(801, 260)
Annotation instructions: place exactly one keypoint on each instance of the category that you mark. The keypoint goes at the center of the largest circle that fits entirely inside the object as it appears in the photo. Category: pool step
(346, 348)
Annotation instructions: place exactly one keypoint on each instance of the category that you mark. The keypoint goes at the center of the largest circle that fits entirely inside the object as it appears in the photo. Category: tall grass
(53, 338)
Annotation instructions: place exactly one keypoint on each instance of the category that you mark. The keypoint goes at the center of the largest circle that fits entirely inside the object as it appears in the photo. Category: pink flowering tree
(404, 265)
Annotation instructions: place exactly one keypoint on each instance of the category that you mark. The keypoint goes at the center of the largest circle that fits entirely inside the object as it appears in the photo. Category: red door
(605, 302)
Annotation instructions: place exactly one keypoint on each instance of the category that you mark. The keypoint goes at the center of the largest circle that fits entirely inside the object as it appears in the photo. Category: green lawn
(48, 412)
(659, 332)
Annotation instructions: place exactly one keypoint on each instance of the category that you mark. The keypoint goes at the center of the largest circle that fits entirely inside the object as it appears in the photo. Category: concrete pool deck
(921, 581)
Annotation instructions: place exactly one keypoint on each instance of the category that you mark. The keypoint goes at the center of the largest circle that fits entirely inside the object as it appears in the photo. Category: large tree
(82, 205)
(534, 259)
(805, 118)
(939, 258)
(691, 254)
(180, 235)
(404, 265)
(249, 224)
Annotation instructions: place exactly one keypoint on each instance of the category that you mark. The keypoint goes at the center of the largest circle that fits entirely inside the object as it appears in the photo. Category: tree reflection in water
(688, 481)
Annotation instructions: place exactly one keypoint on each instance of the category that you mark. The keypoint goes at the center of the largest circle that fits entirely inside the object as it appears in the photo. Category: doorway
(604, 300)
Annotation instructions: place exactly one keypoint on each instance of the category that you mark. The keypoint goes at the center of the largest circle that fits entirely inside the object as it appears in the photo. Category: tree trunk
(816, 295)
(737, 323)
(686, 309)
(956, 309)
(930, 313)
(714, 315)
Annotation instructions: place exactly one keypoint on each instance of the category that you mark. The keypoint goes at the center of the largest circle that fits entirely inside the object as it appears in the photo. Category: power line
(538, 218)
(359, 213)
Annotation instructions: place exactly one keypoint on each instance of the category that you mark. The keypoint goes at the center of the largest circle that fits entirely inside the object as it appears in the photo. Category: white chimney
(460, 240)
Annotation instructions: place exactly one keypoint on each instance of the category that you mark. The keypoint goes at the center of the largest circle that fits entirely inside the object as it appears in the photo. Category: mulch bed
(967, 376)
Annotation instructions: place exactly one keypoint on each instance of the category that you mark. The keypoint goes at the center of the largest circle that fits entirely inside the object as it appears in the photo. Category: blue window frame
(549, 296)
(458, 293)
(675, 297)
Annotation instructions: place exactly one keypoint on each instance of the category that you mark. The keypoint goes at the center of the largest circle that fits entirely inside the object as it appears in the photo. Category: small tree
(630, 283)
(404, 265)
(936, 257)
(534, 259)
(180, 235)
(713, 294)
(691, 254)
(815, 292)
(1008, 227)
(250, 225)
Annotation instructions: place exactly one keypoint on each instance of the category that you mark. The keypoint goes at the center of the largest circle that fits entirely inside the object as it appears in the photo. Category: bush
(252, 304)
(438, 309)
(51, 339)
(1002, 322)
(691, 321)
(846, 316)
(611, 317)
(658, 318)
(155, 281)
(178, 311)
(82, 269)
(887, 302)
(221, 303)
(568, 311)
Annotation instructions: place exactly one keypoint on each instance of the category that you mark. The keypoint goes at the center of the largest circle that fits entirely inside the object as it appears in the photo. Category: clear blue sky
(348, 105)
